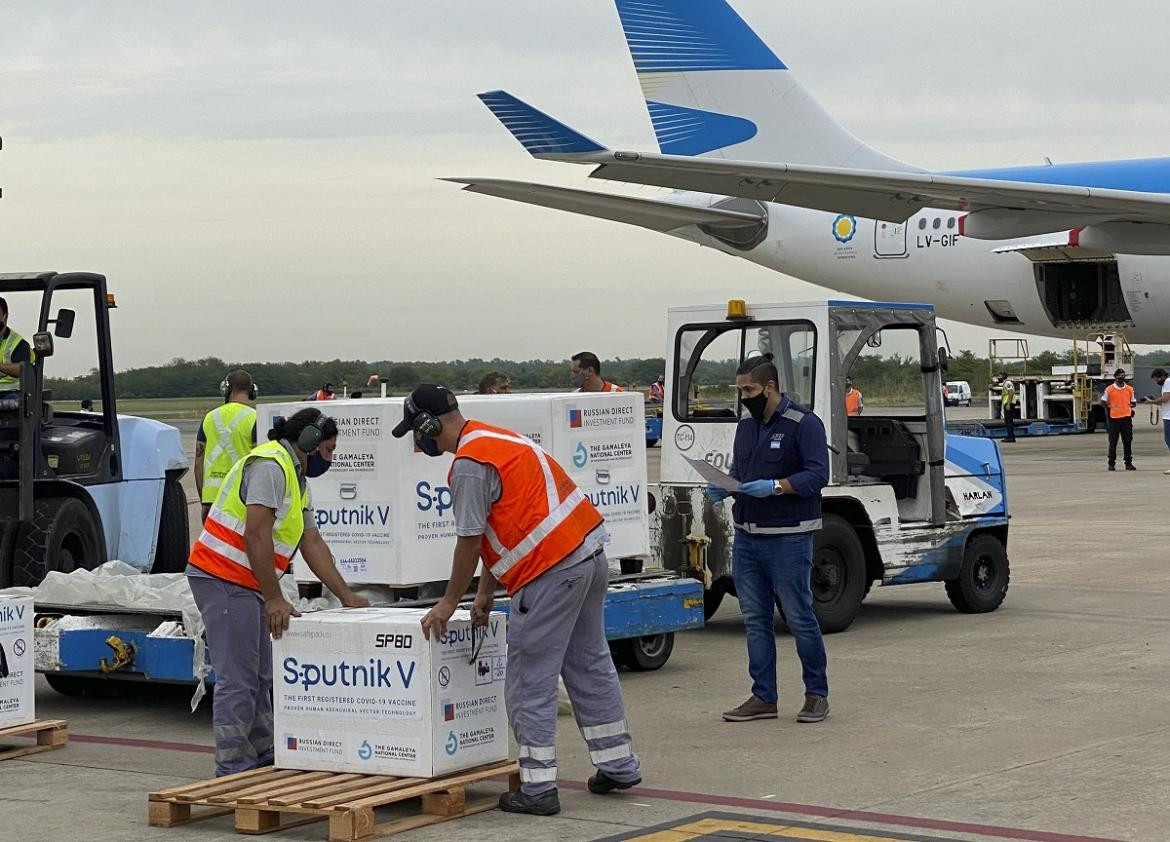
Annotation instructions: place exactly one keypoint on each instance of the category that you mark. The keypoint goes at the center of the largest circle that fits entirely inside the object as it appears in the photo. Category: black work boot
(602, 783)
(545, 804)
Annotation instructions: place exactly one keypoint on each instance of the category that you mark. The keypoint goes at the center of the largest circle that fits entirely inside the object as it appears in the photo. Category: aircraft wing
(657, 215)
(890, 196)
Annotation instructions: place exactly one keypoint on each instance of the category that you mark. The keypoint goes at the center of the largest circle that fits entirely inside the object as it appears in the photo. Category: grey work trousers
(556, 625)
(236, 629)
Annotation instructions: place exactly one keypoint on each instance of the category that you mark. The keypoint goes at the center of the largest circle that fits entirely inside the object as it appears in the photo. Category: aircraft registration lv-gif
(758, 169)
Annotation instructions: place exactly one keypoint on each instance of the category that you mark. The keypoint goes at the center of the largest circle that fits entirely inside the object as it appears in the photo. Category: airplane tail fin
(537, 132)
(714, 88)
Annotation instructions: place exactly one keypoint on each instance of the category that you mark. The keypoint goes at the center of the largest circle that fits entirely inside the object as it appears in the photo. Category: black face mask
(429, 446)
(756, 406)
(318, 465)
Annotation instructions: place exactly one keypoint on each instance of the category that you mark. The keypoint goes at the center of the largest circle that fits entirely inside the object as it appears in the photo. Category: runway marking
(979, 831)
(722, 827)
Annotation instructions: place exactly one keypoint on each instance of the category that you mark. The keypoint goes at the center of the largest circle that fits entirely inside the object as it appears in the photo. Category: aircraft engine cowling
(1127, 238)
(1010, 223)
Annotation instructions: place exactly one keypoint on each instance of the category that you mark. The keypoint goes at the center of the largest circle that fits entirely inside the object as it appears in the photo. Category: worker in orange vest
(854, 404)
(1119, 400)
(542, 539)
(585, 374)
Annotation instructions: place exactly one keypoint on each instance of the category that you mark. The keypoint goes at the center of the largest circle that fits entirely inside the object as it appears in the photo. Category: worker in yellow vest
(226, 435)
(14, 350)
(541, 538)
(261, 518)
(585, 374)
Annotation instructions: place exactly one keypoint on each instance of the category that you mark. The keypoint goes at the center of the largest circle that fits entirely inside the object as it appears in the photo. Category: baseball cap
(426, 397)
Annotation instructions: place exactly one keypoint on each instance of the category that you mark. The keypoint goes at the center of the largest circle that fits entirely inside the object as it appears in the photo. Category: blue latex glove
(716, 494)
(757, 488)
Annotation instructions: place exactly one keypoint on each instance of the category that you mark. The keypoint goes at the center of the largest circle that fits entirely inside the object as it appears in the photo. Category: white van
(958, 393)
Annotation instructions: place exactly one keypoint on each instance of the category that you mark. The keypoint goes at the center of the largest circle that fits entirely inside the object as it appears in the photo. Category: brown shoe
(816, 709)
(753, 708)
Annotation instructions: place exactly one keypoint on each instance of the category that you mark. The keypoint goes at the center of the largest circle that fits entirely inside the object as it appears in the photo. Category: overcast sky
(258, 180)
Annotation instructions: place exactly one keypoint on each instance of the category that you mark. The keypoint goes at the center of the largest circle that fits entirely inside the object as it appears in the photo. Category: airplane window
(937, 223)
(951, 222)
(922, 224)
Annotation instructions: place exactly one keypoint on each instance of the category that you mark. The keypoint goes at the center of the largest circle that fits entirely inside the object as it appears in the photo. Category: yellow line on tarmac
(686, 832)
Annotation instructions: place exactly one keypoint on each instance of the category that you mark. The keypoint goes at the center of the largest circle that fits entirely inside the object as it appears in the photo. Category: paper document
(713, 475)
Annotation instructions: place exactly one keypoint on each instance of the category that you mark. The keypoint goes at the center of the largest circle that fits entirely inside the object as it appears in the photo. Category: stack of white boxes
(360, 690)
(16, 661)
(384, 507)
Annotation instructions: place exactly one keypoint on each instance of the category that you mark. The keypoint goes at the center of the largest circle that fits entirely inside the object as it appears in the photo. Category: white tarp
(121, 585)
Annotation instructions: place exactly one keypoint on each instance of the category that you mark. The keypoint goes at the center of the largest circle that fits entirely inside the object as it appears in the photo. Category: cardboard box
(361, 690)
(384, 508)
(16, 661)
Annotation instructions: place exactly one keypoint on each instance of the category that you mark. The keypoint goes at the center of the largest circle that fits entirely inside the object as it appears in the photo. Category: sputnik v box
(16, 661)
(384, 507)
(361, 690)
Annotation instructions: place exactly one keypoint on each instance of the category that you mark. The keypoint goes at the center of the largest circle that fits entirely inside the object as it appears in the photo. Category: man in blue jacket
(781, 460)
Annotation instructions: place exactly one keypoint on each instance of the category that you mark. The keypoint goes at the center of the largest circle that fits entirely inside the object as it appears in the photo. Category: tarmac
(1046, 720)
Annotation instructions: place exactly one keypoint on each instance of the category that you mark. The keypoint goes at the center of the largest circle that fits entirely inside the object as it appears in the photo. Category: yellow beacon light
(110, 302)
(737, 309)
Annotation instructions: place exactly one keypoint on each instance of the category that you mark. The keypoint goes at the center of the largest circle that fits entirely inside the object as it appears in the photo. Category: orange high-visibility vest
(606, 386)
(853, 402)
(541, 516)
(1120, 400)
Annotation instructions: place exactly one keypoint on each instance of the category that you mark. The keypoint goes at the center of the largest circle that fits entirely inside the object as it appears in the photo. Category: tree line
(182, 378)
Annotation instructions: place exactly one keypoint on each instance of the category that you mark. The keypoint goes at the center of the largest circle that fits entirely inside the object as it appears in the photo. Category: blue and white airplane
(759, 170)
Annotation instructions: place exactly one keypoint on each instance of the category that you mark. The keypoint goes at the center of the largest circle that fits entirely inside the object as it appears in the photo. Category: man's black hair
(761, 369)
(239, 381)
(4, 306)
(587, 359)
(1158, 372)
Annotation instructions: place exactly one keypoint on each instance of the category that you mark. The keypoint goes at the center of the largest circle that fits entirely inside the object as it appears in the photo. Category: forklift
(80, 488)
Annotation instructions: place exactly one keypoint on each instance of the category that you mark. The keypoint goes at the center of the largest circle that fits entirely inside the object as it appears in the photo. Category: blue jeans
(767, 570)
(1166, 432)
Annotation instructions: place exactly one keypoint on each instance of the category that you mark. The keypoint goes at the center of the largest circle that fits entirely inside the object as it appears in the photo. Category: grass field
(169, 409)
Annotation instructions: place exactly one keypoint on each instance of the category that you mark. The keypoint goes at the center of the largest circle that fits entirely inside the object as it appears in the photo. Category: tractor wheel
(711, 601)
(983, 576)
(838, 574)
(8, 533)
(62, 536)
(174, 536)
(644, 654)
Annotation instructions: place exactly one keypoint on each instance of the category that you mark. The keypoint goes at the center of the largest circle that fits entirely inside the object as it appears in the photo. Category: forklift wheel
(174, 537)
(62, 536)
(644, 654)
(983, 576)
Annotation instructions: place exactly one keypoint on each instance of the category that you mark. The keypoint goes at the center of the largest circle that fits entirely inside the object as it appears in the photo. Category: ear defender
(312, 436)
(427, 426)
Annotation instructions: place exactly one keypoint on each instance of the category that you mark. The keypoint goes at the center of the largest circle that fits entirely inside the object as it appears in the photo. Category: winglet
(537, 132)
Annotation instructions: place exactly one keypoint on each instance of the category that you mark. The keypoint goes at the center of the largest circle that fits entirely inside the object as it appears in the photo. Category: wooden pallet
(50, 734)
(265, 800)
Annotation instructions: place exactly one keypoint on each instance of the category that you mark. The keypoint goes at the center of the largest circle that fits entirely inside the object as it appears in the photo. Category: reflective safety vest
(220, 549)
(229, 433)
(541, 516)
(7, 347)
(1120, 400)
(853, 402)
(606, 386)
